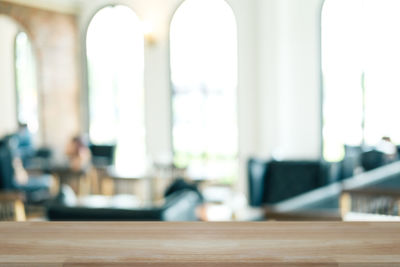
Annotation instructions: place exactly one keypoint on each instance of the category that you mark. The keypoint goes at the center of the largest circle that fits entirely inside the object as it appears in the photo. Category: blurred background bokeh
(199, 110)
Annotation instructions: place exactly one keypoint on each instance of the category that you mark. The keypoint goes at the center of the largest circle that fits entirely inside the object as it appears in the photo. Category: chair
(102, 155)
(350, 161)
(274, 181)
(12, 207)
(372, 159)
(286, 179)
(256, 171)
(7, 181)
(41, 161)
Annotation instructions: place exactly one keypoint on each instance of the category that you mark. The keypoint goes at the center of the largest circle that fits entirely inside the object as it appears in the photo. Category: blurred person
(21, 175)
(386, 146)
(16, 177)
(78, 153)
(25, 147)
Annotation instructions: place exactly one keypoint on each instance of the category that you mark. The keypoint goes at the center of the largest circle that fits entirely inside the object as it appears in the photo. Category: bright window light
(203, 43)
(360, 60)
(115, 58)
(26, 84)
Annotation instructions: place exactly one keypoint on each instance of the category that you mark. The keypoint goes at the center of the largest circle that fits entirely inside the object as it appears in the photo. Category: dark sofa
(178, 206)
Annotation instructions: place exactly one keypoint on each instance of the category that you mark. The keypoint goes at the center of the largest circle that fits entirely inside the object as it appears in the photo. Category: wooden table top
(199, 244)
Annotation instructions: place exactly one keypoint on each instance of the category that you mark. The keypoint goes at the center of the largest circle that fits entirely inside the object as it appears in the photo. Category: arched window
(26, 83)
(115, 59)
(360, 64)
(18, 79)
(203, 51)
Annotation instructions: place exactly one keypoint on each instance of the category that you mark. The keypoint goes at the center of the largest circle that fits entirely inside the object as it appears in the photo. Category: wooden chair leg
(19, 211)
(107, 186)
(345, 204)
(12, 207)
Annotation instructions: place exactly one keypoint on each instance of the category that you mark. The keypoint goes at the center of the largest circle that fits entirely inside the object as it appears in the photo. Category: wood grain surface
(199, 244)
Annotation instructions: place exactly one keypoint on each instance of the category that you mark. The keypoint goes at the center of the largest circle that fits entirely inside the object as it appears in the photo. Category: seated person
(13, 175)
(387, 147)
(78, 154)
(25, 146)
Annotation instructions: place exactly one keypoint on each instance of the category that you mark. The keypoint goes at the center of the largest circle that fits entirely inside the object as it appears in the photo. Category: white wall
(247, 91)
(8, 109)
(289, 79)
(278, 76)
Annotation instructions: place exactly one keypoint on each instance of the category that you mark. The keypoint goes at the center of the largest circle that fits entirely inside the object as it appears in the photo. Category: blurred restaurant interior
(199, 110)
